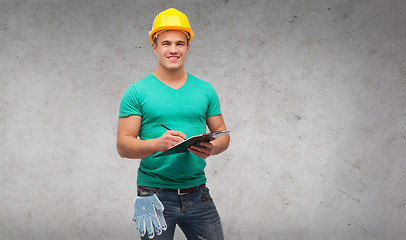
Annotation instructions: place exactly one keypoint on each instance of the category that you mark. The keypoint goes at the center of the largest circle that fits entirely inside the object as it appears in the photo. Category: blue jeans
(194, 212)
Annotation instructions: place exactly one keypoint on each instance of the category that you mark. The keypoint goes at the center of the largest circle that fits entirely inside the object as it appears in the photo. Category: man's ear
(154, 48)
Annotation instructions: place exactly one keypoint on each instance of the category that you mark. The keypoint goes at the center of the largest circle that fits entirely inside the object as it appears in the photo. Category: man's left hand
(204, 151)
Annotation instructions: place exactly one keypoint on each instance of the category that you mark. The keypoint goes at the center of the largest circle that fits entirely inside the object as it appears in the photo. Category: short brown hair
(156, 39)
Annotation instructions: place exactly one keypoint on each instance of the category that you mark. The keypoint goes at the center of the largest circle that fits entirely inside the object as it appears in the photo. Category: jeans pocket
(145, 191)
(205, 195)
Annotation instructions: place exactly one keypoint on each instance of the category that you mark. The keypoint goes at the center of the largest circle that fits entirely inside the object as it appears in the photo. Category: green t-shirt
(184, 109)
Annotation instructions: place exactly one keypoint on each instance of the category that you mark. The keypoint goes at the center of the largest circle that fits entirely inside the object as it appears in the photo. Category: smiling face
(171, 49)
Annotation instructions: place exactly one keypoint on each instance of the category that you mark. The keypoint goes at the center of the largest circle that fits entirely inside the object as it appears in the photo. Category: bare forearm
(221, 144)
(134, 148)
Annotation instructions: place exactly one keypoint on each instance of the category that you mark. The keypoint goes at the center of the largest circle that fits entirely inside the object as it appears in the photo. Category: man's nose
(172, 48)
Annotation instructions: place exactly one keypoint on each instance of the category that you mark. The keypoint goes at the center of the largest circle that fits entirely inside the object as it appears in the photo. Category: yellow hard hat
(171, 19)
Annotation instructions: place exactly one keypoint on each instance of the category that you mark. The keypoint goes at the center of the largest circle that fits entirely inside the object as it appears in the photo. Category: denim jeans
(194, 213)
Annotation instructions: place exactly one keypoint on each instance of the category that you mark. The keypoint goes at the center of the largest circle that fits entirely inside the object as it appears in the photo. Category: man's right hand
(169, 139)
(130, 146)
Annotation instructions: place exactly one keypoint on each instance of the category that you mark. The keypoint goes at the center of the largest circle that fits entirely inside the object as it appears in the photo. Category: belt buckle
(181, 194)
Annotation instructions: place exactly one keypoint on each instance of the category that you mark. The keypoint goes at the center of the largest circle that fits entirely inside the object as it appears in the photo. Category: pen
(168, 128)
(165, 127)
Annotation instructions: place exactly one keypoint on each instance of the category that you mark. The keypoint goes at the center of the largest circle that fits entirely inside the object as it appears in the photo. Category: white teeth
(173, 57)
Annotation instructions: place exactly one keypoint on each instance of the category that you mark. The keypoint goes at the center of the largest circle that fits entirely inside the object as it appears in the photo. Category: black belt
(183, 191)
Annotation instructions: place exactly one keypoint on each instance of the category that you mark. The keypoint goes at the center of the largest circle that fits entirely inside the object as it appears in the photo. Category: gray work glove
(148, 215)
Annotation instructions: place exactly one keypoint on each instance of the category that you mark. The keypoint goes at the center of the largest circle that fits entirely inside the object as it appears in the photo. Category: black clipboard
(184, 145)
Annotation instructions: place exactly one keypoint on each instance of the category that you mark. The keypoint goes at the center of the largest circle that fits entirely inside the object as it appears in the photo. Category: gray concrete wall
(313, 91)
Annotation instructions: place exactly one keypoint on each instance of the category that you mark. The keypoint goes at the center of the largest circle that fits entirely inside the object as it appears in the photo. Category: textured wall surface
(313, 91)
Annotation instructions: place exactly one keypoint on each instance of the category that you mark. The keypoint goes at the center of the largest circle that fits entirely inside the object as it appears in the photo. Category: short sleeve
(129, 104)
(214, 103)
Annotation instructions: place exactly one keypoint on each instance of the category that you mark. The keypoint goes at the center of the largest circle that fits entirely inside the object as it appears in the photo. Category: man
(185, 104)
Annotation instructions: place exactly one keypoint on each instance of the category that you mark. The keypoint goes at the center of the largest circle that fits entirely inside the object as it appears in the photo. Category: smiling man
(171, 189)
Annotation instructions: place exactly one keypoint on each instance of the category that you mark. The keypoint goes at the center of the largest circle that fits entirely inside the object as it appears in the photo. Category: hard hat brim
(163, 28)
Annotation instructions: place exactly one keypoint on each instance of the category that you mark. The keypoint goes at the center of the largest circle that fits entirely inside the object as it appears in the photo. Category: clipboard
(184, 145)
